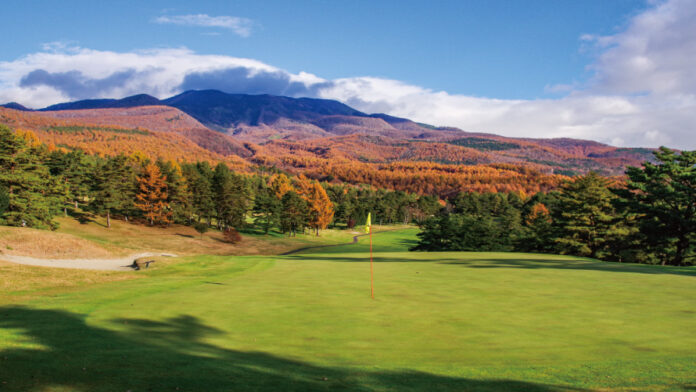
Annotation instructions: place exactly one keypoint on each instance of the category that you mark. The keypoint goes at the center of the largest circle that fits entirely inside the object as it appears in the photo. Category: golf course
(304, 321)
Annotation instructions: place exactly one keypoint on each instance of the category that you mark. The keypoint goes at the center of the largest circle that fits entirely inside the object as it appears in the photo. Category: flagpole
(372, 274)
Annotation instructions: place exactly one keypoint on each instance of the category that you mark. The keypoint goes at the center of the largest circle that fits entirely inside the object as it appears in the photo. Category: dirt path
(117, 264)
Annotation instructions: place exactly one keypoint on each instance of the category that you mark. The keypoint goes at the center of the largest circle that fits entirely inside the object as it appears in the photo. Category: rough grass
(94, 240)
(305, 322)
(44, 243)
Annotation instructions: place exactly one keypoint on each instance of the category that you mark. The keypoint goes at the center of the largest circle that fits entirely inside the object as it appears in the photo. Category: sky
(619, 72)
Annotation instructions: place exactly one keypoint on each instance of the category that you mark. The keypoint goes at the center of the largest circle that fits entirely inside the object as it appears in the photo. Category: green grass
(484, 144)
(76, 129)
(304, 322)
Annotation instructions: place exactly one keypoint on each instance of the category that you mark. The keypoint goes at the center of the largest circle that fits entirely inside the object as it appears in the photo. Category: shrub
(201, 228)
(231, 235)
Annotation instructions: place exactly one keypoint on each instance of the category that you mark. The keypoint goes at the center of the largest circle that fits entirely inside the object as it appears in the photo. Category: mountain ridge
(251, 126)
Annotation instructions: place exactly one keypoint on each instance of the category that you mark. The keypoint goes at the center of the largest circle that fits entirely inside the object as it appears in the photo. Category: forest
(38, 183)
(648, 216)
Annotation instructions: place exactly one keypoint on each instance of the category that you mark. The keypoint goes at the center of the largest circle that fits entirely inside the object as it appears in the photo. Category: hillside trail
(355, 241)
(115, 264)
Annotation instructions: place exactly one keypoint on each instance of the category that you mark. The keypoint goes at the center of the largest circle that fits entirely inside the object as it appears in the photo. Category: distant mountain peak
(128, 102)
(15, 106)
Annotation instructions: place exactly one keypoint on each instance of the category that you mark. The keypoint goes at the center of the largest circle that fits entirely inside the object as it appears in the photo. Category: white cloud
(241, 26)
(656, 53)
(643, 92)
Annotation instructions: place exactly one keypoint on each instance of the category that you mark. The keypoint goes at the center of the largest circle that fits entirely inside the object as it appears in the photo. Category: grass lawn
(305, 321)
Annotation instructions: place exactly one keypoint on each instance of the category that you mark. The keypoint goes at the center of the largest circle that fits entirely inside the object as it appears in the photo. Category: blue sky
(615, 71)
(504, 49)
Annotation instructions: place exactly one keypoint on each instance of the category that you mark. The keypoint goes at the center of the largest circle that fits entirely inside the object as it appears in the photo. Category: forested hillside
(649, 217)
(238, 124)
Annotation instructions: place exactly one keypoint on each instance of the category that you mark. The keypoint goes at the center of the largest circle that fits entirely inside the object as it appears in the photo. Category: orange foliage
(152, 195)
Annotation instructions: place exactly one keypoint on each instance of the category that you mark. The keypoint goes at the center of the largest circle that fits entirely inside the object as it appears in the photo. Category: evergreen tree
(75, 168)
(293, 216)
(439, 233)
(539, 234)
(231, 197)
(26, 180)
(113, 187)
(4, 200)
(179, 198)
(587, 218)
(662, 198)
(199, 179)
(266, 208)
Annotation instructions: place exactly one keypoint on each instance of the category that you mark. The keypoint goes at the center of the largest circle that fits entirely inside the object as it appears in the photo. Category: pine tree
(539, 234)
(266, 208)
(200, 182)
(113, 186)
(662, 199)
(293, 216)
(4, 200)
(231, 197)
(152, 195)
(26, 180)
(587, 217)
(180, 198)
(75, 168)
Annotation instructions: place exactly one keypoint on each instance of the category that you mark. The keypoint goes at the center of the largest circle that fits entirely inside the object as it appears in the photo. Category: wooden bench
(136, 264)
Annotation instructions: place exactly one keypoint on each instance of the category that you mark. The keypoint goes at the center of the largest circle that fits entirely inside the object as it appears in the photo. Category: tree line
(648, 218)
(38, 183)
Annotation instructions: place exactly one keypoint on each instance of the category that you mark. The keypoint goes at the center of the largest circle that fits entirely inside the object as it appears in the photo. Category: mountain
(223, 110)
(303, 134)
(128, 102)
(258, 118)
(15, 106)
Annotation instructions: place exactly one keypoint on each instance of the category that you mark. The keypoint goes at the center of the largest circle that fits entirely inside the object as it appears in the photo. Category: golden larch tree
(320, 207)
(152, 195)
(280, 184)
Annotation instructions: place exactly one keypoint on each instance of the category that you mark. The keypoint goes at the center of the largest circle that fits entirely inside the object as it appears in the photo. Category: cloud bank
(642, 92)
(240, 26)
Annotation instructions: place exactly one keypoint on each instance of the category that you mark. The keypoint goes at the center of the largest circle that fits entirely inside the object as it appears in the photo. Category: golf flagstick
(368, 228)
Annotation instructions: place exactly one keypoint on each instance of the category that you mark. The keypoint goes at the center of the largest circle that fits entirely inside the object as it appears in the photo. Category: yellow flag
(368, 224)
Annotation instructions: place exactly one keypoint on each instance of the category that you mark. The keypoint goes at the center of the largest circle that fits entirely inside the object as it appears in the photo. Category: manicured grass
(302, 322)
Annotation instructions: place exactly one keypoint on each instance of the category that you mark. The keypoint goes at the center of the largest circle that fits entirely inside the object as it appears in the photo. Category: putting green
(440, 321)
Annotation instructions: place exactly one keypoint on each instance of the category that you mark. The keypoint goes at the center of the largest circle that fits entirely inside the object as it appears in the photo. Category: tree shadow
(359, 257)
(59, 350)
(589, 265)
(523, 263)
(81, 216)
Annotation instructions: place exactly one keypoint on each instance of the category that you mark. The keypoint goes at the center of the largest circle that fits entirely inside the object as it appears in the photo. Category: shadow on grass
(589, 265)
(67, 354)
(408, 243)
(81, 216)
(524, 263)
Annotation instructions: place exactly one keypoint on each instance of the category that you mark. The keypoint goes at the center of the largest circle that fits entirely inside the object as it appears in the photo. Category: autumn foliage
(152, 196)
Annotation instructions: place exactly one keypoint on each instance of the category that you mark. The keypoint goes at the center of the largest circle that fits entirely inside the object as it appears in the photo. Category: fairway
(440, 322)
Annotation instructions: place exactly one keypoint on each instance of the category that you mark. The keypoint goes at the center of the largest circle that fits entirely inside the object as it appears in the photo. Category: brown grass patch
(182, 240)
(21, 241)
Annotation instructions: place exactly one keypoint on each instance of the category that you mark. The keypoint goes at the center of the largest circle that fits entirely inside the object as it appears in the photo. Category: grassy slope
(440, 321)
(94, 240)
